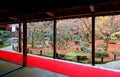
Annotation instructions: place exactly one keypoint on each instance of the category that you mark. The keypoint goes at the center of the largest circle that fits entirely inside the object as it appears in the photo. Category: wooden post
(93, 39)
(24, 43)
(20, 37)
(115, 56)
(40, 52)
(54, 40)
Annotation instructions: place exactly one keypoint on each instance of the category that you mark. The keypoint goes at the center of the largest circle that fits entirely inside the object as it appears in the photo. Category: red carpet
(69, 69)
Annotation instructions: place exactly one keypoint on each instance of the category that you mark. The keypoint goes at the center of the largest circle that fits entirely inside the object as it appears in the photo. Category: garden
(74, 39)
(4, 36)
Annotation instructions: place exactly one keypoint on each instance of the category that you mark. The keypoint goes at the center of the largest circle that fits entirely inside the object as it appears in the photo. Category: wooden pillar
(93, 39)
(20, 37)
(54, 38)
(24, 43)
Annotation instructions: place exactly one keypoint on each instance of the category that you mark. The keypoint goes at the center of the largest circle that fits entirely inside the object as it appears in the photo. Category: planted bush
(81, 57)
(60, 55)
(83, 48)
(4, 45)
(104, 54)
(1, 42)
(97, 53)
(101, 54)
(116, 53)
(30, 51)
(71, 55)
(47, 53)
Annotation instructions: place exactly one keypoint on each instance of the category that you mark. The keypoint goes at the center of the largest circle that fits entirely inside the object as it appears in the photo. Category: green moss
(4, 45)
(71, 54)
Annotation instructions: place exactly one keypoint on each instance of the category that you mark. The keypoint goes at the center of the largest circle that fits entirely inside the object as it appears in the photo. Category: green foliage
(116, 52)
(1, 42)
(101, 54)
(115, 36)
(60, 42)
(51, 38)
(104, 48)
(98, 61)
(81, 57)
(82, 54)
(4, 35)
(47, 51)
(30, 51)
(60, 55)
(4, 45)
(71, 54)
(70, 58)
(76, 37)
(83, 48)
(40, 30)
(97, 53)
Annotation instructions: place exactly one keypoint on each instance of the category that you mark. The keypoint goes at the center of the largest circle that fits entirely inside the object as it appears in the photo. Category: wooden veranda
(22, 11)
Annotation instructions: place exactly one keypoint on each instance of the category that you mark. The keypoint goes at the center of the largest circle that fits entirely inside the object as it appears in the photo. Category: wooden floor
(8, 69)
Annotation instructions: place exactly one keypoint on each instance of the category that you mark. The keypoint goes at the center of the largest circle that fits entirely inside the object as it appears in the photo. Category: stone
(38, 46)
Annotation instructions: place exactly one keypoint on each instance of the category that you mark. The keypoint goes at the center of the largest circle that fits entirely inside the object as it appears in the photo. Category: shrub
(116, 52)
(98, 61)
(47, 53)
(83, 48)
(4, 45)
(60, 55)
(97, 53)
(104, 48)
(81, 57)
(71, 54)
(101, 54)
(104, 54)
(1, 42)
(30, 51)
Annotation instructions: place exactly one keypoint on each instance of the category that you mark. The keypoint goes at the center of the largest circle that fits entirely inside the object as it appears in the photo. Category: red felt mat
(73, 70)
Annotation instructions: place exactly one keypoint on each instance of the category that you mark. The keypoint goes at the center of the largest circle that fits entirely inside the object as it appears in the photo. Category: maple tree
(105, 27)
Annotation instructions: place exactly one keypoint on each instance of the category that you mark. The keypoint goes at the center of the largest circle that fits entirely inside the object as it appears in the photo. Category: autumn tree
(78, 28)
(39, 29)
(106, 26)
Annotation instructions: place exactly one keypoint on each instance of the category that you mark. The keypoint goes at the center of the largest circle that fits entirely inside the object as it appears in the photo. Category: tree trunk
(32, 44)
(115, 56)
(107, 42)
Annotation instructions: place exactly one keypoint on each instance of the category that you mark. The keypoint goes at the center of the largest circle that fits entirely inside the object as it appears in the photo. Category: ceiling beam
(92, 8)
(50, 14)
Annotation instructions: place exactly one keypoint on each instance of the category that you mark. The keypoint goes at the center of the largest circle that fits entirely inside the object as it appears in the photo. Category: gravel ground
(114, 65)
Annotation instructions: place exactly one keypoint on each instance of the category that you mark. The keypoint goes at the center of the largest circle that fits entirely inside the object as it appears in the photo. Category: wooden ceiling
(11, 11)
